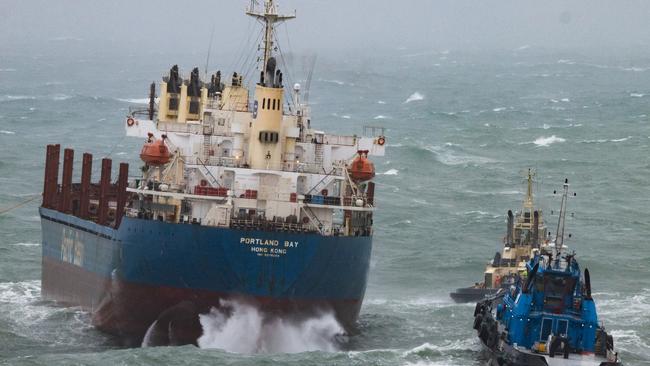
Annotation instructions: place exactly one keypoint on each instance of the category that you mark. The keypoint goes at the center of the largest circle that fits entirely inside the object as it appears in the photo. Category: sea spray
(242, 328)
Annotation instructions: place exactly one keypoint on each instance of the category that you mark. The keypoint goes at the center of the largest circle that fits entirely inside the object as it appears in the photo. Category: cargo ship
(525, 232)
(549, 316)
(238, 198)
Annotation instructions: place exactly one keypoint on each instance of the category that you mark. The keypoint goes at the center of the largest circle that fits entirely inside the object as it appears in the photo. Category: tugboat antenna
(559, 238)
(269, 16)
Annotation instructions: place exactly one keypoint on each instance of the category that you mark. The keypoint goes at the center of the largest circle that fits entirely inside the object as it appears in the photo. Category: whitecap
(5, 132)
(546, 127)
(26, 245)
(499, 109)
(381, 117)
(59, 97)
(391, 172)
(546, 141)
(637, 95)
(565, 61)
(17, 97)
(7, 70)
(621, 139)
(137, 100)
(447, 157)
(381, 102)
(332, 81)
(346, 116)
(246, 330)
(565, 100)
(414, 98)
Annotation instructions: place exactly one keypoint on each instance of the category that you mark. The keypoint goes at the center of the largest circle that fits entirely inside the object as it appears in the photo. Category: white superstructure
(242, 160)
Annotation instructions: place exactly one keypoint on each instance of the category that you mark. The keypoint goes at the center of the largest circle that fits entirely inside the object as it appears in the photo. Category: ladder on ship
(207, 174)
(313, 219)
(323, 183)
(318, 151)
(207, 146)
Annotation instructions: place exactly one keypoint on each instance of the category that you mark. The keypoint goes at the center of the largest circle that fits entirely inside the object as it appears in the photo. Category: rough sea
(462, 130)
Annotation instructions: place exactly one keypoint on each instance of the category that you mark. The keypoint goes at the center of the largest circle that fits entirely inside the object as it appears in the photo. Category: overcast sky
(334, 24)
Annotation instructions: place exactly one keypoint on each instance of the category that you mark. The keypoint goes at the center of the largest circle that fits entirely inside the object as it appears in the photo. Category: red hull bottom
(128, 310)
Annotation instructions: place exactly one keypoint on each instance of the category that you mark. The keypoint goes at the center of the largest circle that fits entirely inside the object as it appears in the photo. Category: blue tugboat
(549, 316)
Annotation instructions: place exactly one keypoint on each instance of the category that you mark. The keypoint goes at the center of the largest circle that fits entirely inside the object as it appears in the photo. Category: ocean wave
(26, 244)
(414, 98)
(246, 330)
(637, 95)
(636, 308)
(545, 141)
(334, 81)
(468, 344)
(600, 141)
(381, 117)
(447, 157)
(390, 172)
(136, 100)
(6, 132)
(499, 109)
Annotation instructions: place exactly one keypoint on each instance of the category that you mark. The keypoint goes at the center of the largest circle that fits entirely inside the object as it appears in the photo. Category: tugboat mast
(268, 16)
(559, 238)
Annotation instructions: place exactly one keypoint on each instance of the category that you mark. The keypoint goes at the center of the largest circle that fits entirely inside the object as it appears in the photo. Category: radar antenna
(269, 16)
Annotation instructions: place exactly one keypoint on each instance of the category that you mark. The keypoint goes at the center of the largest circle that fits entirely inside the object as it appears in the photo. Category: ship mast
(269, 17)
(559, 238)
(528, 203)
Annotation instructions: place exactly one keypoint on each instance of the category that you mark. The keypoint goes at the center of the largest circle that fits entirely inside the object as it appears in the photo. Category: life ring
(381, 141)
(130, 121)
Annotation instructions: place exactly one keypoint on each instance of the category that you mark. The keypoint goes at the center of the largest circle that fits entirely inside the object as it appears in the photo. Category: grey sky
(335, 24)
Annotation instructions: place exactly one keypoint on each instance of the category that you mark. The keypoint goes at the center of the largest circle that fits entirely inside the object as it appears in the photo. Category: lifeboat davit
(361, 169)
(155, 152)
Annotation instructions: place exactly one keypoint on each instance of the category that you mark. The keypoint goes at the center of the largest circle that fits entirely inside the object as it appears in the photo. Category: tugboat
(549, 316)
(239, 198)
(524, 234)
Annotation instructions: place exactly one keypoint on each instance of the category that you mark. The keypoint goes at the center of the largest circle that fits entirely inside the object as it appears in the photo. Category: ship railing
(268, 225)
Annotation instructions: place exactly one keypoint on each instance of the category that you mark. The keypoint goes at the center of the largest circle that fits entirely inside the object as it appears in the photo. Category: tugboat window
(562, 327)
(547, 325)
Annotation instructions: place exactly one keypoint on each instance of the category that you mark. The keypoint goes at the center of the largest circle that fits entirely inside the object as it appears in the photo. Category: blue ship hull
(128, 277)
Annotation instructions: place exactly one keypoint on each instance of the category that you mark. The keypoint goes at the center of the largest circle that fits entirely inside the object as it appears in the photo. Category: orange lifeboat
(155, 152)
(361, 169)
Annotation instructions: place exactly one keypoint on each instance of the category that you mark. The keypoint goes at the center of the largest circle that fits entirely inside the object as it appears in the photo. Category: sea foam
(546, 141)
(245, 329)
(414, 98)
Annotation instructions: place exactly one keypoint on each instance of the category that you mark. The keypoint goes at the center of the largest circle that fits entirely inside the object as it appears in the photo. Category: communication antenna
(310, 74)
(207, 60)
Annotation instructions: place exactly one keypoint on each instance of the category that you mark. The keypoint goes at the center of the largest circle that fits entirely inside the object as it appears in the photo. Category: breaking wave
(637, 95)
(545, 141)
(246, 330)
(136, 100)
(5, 132)
(380, 117)
(414, 97)
(447, 157)
(391, 172)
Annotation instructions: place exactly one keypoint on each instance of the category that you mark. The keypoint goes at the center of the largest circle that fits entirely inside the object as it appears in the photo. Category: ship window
(264, 103)
(547, 325)
(562, 327)
(273, 104)
(268, 136)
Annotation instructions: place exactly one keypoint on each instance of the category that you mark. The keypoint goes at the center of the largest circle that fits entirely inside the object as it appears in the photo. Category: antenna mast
(559, 238)
(269, 17)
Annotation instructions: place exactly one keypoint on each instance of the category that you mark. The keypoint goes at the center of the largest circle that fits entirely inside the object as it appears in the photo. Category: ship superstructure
(239, 197)
(525, 233)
